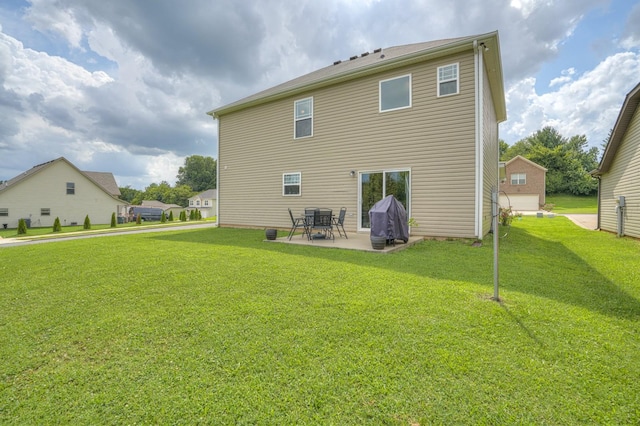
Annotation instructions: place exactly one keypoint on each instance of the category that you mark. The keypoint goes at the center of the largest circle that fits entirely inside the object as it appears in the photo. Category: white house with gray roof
(59, 189)
(205, 202)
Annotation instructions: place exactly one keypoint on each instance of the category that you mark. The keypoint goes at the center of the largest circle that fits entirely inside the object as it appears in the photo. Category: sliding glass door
(374, 186)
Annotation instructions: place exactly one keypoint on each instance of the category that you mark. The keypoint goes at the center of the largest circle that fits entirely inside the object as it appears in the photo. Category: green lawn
(216, 326)
(573, 204)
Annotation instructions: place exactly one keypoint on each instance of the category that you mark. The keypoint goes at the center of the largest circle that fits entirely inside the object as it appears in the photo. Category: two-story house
(205, 202)
(524, 185)
(418, 121)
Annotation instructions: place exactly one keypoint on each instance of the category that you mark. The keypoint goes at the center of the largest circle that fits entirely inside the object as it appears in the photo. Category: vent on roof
(378, 50)
(364, 54)
(353, 57)
(337, 62)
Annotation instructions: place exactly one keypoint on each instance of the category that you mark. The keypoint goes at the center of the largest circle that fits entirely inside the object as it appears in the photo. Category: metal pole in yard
(495, 210)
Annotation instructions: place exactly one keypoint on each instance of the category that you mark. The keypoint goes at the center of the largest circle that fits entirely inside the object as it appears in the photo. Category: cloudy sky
(123, 86)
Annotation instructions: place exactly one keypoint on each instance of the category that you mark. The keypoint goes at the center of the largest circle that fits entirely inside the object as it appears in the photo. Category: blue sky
(122, 87)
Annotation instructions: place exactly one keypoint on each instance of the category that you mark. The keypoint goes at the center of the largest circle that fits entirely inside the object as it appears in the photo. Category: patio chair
(323, 223)
(339, 222)
(299, 222)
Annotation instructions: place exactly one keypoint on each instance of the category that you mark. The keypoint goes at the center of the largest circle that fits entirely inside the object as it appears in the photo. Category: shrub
(138, 219)
(198, 214)
(171, 216)
(506, 216)
(113, 219)
(87, 222)
(192, 215)
(163, 218)
(56, 225)
(22, 227)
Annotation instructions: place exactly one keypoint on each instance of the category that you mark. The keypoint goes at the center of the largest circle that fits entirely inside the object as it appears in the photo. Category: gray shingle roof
(370, 62)
(104, 180)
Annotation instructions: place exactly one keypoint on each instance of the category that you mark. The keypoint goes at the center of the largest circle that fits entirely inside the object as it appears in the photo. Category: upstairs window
(448, 80)
(198, 203)
(518, 179)
(71, 188)
(45, 212)
(395, 93)
(291, 183)
(206, 202)
(303, 118)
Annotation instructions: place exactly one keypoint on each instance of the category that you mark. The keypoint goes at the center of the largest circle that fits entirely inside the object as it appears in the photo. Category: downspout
(217, 172)
(478, 68)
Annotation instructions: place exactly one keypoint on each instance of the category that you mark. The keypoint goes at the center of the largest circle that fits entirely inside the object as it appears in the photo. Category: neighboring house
(205, 202)
(523, 186)
(418, 121)
(167, 208)
(619, 172)
(59, 189)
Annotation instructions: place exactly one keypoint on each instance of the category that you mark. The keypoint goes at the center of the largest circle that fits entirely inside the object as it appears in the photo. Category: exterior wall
(434, 139)
(622, 179)
(47, 188)
(490, 154)
(535, 180)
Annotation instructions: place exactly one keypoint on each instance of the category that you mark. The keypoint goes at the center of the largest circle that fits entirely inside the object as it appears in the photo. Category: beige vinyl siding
(47, 188)
(490, 154)
(623, 179)
(434, 139)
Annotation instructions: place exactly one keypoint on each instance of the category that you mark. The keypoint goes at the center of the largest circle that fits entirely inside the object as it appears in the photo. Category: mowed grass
(564, 204)
(215, 326)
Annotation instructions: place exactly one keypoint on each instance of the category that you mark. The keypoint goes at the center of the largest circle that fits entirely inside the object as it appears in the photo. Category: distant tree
(568, 161)
(138, 219)
(164, 193)
(113, 219)
(605, 142)
(87, 222)
(192, 215)
(170, 215)
(198, 172)
(163, 218)
(503, 148)
(56, 225)
(128, 194)
(183, 216)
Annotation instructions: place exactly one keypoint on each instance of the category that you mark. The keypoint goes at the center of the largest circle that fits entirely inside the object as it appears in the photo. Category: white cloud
(588, 104)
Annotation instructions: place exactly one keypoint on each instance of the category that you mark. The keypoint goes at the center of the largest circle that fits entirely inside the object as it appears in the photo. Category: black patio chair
(298, 222)
(323, 223)
(339, 222)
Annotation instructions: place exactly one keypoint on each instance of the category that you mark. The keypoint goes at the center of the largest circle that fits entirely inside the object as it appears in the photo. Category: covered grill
(388, 219)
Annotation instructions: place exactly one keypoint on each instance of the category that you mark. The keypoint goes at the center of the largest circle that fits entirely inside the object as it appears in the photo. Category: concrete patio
(355, 241)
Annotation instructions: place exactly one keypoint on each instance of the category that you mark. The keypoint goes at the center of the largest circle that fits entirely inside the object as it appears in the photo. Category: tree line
(568, 160)
(197, 175)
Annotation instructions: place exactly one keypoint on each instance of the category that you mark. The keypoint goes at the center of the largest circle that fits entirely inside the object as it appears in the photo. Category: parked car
(146, 213)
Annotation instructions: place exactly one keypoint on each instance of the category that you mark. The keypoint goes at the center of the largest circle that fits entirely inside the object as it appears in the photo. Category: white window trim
(295, 118)
(410, 93)
(457, 79)
(284, 194)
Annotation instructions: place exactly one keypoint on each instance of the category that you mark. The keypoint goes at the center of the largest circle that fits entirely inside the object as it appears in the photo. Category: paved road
(11, 242)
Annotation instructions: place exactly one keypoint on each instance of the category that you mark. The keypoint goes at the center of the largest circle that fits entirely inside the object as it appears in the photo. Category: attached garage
(521, 202)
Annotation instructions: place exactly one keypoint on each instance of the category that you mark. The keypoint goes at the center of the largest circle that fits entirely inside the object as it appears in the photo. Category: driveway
(586, 221)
